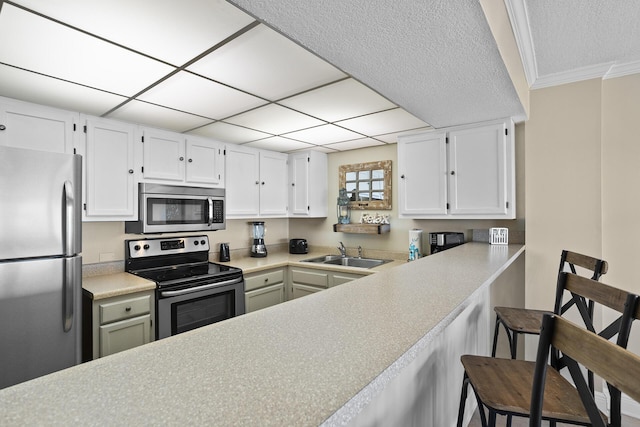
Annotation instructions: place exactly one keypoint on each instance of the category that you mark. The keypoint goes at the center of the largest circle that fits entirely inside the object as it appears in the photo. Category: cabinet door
(125, 334)
(264, 297)
(36, 127)
(477, 168)
(340, 278)
(242, 181)
(298, 290)
(205, 162)
(299, 177)
(163, 155)
(274, 195)
(109, 162)
(422, 167)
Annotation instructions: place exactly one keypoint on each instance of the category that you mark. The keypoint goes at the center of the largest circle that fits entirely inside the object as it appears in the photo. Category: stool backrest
(617, 366)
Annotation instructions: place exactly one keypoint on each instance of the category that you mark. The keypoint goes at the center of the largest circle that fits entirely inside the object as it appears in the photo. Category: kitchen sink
(348, 261)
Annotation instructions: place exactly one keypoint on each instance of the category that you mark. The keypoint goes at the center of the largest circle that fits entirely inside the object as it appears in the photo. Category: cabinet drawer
(340, 278)
(309, 277)
(265, 297)
(263, 279)
(110, 312)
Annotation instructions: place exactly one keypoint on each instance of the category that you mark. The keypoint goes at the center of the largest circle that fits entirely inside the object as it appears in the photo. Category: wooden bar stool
(526, 321)
(618, 367)
(503, 386)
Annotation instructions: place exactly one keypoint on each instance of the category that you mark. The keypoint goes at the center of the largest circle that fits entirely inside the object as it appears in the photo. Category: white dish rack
(499, 236)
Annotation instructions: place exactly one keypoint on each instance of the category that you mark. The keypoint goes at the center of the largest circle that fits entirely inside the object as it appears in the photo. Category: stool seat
(525, 321)
(504, 386)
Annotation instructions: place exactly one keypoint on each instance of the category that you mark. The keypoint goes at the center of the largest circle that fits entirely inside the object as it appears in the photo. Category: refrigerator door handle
(72, 273)
(69, 219)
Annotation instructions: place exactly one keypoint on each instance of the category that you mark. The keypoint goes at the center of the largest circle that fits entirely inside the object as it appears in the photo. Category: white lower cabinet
(264, 289)
(119, 323)
(305, 281)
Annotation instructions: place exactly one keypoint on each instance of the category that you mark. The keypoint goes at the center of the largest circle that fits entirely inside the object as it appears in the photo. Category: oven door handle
(199, 288)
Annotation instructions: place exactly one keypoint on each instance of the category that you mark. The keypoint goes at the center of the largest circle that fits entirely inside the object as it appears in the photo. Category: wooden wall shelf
(362, 228)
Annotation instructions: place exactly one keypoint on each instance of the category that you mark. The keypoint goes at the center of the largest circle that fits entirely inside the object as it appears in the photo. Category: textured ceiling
(436, 59)
(290, 75)
(572, 40)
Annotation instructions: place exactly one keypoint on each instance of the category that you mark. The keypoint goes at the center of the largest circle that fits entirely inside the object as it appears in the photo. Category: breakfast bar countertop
(296, 363)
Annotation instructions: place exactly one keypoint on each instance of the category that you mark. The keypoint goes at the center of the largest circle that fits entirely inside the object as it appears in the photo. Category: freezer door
(40, 204)
(40, 314)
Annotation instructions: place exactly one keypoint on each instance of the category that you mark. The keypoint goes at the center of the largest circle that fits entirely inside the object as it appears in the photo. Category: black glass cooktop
(181, 273)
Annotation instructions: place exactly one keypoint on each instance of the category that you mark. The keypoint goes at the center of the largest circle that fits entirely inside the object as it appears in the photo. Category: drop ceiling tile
(161, 117)
(323, 135)
(46, 47)
(39, 89)
(355, 144)
(392, 138)
(381, 123)
(171, 31)
(196, 95)
(339, 101)
(267, 64)
(229, 133)
(274, 119)
(278, 143)
(317, 148)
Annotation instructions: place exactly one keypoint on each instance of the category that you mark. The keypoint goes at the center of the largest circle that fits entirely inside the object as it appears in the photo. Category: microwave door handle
(210, 201)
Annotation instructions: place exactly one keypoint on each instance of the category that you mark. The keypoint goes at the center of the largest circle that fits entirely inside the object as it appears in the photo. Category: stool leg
(463, 399)
(495, 336)
(514, 344)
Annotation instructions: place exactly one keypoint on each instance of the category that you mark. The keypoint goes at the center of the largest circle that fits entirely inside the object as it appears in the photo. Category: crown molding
(620, 70)
(519, 18)
(586, 73)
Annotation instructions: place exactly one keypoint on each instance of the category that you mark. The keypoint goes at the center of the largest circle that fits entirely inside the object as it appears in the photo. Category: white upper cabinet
(242, 193)
(274, 195)
(308, 189)
(460, 172)
(176, 158)
(25, 125)
(256, 183)
(422, 169)
(110, 191)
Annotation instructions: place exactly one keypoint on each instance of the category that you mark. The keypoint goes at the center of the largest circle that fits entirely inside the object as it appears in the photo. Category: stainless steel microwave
(176, 209)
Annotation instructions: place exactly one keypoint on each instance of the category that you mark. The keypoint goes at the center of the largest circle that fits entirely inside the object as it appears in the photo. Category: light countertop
(297, 363)
(111, 285)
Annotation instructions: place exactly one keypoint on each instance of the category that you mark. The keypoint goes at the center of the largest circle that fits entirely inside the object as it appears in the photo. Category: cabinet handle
(293, 184)
(190, 160)
(2, 127)
(257, 182)
(181, 159)
(130, 170)
(262, 182)
(266, 280)
(127, 309)
(453, 172)
(402, 176)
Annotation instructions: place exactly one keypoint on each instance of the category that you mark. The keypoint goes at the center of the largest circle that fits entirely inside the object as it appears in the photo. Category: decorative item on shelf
(499, 236)
(344, 210)
(376, 218)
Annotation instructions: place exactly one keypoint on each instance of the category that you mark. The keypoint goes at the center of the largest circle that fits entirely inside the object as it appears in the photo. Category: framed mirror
(368, 184)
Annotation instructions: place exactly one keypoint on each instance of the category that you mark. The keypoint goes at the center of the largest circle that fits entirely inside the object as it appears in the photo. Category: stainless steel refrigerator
(40, 263)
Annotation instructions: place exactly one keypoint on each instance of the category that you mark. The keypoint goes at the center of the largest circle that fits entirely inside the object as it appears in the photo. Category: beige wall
(104, 241)
(582, 170)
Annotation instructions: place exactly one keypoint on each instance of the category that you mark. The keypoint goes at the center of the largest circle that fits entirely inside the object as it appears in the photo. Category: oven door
(186, 309)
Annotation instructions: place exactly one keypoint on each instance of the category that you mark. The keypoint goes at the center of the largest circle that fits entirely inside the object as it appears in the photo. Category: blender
(258, 249)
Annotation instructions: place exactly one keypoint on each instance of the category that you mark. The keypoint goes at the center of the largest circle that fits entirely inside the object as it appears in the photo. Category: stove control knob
(146, 246)
(195, 242)
(202, 242)
(136, 247)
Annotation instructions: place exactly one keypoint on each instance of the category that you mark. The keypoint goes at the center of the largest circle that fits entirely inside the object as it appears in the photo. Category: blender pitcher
(258, 248)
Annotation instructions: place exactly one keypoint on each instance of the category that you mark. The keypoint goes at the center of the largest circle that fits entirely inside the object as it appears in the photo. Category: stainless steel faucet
(342, 249)
(359, 251)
